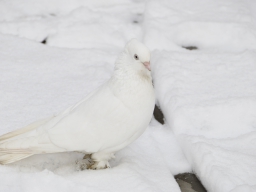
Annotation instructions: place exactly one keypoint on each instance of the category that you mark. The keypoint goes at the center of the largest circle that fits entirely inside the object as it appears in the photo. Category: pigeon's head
(138, 54)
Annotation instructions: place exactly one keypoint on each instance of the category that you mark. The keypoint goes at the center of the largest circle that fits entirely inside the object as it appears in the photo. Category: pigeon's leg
(101, 160)
(85, 163)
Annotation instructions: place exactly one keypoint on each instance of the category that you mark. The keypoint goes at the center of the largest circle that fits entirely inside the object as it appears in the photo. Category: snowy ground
(208, 96)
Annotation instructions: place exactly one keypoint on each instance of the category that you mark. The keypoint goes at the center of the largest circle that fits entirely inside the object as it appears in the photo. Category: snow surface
(208, 96)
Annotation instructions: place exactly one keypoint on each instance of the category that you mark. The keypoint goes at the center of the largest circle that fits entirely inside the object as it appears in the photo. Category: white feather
(104, 122)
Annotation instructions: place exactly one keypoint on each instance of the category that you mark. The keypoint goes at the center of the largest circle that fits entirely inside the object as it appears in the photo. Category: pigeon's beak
(147, 65)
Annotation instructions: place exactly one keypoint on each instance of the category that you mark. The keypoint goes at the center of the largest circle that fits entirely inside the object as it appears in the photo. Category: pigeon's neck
(131, 86)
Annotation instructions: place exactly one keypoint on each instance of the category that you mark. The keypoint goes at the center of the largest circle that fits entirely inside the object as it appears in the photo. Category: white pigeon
(104, 122)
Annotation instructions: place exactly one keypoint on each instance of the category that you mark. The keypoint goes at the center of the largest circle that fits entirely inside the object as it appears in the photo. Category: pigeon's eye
(136, 57)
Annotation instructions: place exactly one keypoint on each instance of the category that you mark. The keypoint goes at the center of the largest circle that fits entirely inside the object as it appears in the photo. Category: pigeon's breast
(139, 102)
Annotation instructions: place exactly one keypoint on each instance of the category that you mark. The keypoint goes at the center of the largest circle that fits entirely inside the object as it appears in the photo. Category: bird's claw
(100, 165)
(88, 163)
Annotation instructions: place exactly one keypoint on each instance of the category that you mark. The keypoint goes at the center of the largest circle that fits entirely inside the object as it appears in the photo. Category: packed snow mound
(209, 101)
(208, 95)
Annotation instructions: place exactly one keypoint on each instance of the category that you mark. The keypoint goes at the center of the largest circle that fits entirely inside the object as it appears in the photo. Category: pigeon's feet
(100, 165)
(101, 160)
(85, 163)
(95, 161)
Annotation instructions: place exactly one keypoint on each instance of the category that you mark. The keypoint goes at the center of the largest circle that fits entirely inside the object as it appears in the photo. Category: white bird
(104, 122)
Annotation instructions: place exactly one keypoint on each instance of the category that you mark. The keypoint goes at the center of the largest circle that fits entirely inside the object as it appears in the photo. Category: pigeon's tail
(17, 133)
(10, 143)
(9, 157)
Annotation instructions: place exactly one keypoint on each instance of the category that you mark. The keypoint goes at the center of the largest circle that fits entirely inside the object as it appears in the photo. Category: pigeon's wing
(94, 124)
(32, 129)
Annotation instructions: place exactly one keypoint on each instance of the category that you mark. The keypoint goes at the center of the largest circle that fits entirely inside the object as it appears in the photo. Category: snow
(73, 24)
(207, 95)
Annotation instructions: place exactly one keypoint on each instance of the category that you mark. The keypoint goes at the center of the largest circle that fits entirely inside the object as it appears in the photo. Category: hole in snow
(137, 18)
(159, 116)
(190, 47)
(189, 182)
(44, 41)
